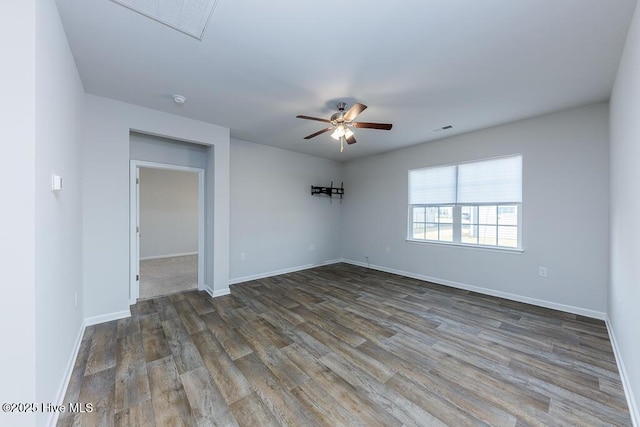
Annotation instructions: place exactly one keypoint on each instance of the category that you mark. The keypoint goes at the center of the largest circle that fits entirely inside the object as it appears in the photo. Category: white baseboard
(166, 256)
(52, 420)
(628, 392)
(486, 291)
(279, 272)
(218, 293)
(107, 317)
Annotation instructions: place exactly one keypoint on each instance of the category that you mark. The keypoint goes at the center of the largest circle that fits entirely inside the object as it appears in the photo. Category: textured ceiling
(419, 64)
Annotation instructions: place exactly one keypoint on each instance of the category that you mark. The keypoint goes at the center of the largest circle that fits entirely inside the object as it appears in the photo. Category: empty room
(245, 213)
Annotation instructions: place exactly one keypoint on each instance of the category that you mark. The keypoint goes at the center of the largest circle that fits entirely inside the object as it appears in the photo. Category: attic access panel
(188, 16)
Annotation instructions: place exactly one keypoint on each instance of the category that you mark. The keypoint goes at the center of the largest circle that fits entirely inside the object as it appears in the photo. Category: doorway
(167, 229)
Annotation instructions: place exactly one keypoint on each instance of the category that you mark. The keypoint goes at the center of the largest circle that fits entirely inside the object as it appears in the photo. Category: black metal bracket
(329, 191)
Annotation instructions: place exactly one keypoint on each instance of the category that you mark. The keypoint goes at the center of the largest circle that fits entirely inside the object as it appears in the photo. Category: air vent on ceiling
(188, 16)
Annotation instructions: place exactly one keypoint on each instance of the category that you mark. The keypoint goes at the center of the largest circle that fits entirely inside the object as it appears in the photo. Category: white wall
(274, 218)
(168, 213)
(58, 216)
(105, 135)
(17, 231)
(156, 149)
(624, 288)
(565, 214)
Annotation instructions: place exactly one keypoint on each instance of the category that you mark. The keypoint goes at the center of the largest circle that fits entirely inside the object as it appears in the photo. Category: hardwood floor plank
(128, 326)
(435, 405)
(199, 302)
(297, 335)
(102, 354)
(170, 404)
(525, 404)
(323, 406)
(185, 354)
(132, 385)
(155, 345)
(401, 408)
(233, 343)
(190, 319)
(363, 361)
(99, 390)
(229, 379)
(250, 411)
(140, 415)
(149, 323)
(284, 406)
(342, 345)
(339, 389)
(164, 308)
(206, 402)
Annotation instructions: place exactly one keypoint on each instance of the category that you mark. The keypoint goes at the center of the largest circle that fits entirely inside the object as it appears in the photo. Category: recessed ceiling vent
(188, 16)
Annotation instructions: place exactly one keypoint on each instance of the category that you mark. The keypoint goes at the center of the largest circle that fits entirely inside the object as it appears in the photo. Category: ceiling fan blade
(320, 132)
(351, 140)
(314, 118)
(381, 126)
(353, 112)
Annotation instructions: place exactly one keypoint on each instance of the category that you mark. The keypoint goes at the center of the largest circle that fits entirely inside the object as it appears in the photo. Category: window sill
(515, 251)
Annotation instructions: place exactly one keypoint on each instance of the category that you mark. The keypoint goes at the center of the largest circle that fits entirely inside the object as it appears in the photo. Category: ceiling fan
(342, 121)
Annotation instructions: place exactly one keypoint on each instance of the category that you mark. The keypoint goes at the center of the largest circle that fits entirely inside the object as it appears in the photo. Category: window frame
(457, 219)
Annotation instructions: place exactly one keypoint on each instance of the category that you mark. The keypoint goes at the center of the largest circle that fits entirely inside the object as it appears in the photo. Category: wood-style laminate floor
(345, 346)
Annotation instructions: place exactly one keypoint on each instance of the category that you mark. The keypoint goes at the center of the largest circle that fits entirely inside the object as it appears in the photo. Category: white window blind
(490, 181)
(487, 181)
(432, 186)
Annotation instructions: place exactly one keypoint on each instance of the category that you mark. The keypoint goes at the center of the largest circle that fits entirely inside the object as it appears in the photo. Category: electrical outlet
(242, 257)
(542, 271)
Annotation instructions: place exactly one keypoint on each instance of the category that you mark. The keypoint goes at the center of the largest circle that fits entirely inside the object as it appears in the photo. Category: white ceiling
(419, 64)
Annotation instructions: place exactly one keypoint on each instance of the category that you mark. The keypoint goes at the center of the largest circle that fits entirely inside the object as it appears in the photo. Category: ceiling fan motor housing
(338, 117)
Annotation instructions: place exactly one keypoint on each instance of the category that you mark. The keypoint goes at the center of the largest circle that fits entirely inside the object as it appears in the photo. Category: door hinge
(137, 229)
(137, 277)
(137, 180)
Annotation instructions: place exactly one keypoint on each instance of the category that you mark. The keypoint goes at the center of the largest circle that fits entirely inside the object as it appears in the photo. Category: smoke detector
(179, 100)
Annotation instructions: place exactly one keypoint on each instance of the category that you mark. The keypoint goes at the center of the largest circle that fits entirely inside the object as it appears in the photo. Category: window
(476, 203)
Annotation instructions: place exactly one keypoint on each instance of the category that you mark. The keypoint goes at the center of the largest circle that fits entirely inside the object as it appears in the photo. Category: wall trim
(626, 384)
(486, 291)
(167, 256)
(283, 271)
(218, 293)
(64, 384)
(107, 317)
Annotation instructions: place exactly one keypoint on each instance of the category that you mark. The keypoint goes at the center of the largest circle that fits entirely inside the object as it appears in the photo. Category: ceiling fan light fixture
(339, 132)
(347, 133)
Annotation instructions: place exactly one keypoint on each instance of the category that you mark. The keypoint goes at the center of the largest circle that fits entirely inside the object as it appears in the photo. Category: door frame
(134, 222)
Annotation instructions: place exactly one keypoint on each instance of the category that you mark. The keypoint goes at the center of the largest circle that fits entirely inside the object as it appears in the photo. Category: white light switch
(56, 183)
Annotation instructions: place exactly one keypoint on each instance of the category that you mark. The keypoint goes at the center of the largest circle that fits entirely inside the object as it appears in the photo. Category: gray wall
(17, 231)
(40, 243)
(624, 292)
(168, 213)
(275, 222)
(59, 290)
(565, 213)
(105, 131)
